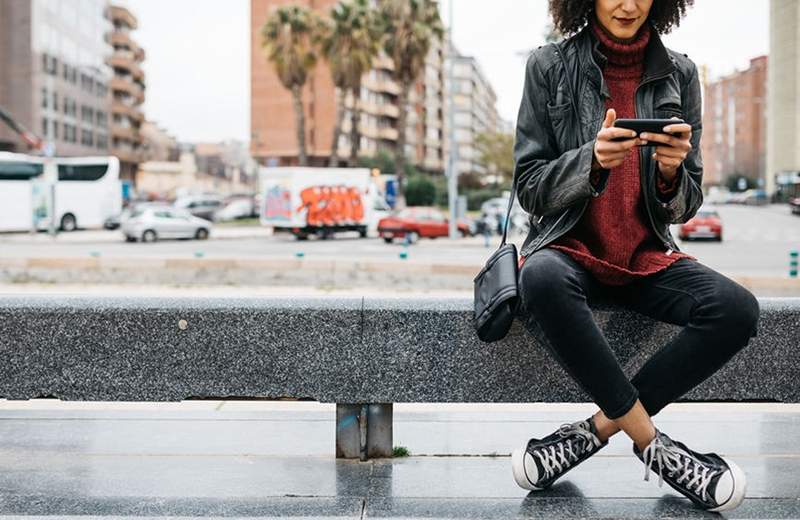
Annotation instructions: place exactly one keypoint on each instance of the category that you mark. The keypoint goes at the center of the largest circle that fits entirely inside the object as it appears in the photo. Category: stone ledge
(344, 350)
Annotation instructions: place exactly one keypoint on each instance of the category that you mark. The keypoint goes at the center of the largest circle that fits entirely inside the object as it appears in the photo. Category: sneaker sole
(738, 494)
(518, 467)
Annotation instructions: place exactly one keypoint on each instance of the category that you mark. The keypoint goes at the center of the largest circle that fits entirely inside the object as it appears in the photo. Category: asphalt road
(757, 241)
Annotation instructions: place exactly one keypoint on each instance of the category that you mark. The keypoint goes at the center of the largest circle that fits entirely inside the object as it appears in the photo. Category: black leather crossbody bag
(496, 289)
(496, 292)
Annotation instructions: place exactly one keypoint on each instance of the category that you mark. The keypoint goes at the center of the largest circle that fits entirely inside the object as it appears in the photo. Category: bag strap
(577, 120)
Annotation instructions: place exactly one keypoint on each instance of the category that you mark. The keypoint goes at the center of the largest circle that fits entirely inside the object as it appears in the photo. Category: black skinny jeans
(719, 318)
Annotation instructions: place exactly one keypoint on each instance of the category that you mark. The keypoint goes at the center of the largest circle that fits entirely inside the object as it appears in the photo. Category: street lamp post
(452, 157)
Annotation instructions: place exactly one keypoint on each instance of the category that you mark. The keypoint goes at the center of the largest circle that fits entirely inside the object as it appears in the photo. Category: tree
(410, 26)
(496, 154)
(349, 43)
(288, 39)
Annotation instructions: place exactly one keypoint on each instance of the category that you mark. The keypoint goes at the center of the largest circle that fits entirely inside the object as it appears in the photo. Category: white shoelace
(680, 463)
(559, 456)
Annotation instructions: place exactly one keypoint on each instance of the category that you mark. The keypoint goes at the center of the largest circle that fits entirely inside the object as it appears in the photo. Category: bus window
(81, 172)
(19, 171)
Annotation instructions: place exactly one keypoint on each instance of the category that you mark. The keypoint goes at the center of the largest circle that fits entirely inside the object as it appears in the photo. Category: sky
(198, 53)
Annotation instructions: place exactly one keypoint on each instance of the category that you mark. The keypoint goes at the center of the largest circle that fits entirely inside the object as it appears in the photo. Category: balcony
(380, 109)
(126, 60)
(128, 111)
(122, 39)
(125, 134)
(378, 85)
(121, 16)
(128, 87)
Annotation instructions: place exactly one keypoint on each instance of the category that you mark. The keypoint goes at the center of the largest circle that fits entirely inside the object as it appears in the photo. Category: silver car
(149, 224)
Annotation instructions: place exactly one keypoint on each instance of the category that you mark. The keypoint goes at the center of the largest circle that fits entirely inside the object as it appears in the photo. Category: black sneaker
(708, 480)
(543, 461)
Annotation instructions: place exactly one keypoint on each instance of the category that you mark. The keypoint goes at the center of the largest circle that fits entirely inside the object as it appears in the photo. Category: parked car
(752, 197)
(236, 208)
(151, 223)
(417, 222)
(203, 206)
(794, 205)
(705, 224)
(115, 221)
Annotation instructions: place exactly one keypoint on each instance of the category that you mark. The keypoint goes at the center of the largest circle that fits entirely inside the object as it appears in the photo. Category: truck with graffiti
(320, 201)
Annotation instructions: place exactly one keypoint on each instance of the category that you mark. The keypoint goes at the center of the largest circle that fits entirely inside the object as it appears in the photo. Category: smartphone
(653, 126)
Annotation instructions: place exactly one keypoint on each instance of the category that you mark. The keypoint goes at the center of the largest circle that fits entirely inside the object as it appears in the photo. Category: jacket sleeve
(682, 202)
(548, 181)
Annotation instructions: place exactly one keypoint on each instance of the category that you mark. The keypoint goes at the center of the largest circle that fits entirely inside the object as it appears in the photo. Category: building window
(45, 127)
(102, 119)
(55, 100)
(87, 139)
(87, 114)
(55, 129)
(102, 141)
(45, 97)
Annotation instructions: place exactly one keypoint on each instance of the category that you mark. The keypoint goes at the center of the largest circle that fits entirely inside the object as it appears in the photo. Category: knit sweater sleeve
(666, 190)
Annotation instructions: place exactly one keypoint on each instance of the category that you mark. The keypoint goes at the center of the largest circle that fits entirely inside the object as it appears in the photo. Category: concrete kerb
(362, 353)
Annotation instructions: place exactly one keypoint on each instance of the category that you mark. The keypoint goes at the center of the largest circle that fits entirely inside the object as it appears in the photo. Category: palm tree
(410, 27)
(288, 38)
(350, 42)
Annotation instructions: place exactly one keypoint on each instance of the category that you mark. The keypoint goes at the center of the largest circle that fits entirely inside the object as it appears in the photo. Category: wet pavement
(243, 459)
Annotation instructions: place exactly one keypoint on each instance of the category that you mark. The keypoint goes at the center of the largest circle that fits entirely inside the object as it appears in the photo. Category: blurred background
(338, 146)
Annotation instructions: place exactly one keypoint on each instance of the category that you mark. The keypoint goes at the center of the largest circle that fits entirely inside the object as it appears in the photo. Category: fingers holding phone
(612, 143)
(675, 145)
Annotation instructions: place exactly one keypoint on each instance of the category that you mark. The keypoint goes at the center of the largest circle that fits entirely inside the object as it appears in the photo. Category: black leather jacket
(552, 172)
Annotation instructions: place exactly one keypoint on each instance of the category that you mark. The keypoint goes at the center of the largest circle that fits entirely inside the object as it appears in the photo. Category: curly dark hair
(569, 16)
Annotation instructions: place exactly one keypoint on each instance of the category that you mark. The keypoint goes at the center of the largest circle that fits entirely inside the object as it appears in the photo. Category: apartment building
(273, 133)
(55, 79)
(783, 132)
(474, 111)
(735, 125)
(127, 90)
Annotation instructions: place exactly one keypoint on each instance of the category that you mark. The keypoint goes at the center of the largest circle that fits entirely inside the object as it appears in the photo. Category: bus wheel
(201, 234)
(68, 222)
(149, 236)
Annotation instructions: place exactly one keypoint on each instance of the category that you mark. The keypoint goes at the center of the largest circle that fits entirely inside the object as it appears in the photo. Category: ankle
(605, 426)
(644, 442)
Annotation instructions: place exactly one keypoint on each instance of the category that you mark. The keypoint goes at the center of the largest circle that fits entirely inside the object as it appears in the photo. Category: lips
(625, 21)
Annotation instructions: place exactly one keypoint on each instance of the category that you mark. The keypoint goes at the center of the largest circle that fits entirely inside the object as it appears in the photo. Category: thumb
(611, 116)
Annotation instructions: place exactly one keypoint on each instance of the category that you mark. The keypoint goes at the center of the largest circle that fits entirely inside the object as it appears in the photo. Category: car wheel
(463, 233)
(149, 236)
(130, 239)
(362, 232)
(201, 234)
(388, 240)
(412, 237)
(68, 222)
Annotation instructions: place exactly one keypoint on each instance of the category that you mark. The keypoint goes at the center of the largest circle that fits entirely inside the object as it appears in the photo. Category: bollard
(403, 254)
(299, 254)
(198, 254)
(793, 263)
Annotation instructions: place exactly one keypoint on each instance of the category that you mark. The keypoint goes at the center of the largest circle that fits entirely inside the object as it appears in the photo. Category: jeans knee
(542, 278)
(740, 309)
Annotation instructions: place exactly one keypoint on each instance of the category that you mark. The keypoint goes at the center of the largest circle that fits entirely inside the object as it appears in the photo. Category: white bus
(87, 190)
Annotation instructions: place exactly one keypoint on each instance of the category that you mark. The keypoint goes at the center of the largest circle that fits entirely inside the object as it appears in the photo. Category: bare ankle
(605, 426)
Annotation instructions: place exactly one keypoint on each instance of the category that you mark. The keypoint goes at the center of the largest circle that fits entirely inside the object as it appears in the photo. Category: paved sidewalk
(237, 459)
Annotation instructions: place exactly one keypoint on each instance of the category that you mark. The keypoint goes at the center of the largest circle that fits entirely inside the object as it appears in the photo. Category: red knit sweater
(613, 239)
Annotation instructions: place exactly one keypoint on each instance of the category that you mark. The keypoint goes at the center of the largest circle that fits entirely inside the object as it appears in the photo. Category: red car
(417, 222)
(705, 224)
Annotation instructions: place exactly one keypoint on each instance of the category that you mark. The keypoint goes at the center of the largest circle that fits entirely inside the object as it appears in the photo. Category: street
(756, 242)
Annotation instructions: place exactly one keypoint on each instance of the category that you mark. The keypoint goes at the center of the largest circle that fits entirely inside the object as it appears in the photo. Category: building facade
(55, 80)
(783, 131)
(474, 112)
(735, 125)
(273, 134)
(127, 90)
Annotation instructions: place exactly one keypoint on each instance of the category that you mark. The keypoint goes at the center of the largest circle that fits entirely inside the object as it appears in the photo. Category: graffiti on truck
(331, 205)
(278, 203)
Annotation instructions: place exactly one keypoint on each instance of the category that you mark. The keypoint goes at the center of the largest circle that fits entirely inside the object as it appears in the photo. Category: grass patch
(400, 451)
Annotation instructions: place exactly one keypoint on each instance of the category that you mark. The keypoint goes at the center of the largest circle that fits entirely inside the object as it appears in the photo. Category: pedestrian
(601, 211)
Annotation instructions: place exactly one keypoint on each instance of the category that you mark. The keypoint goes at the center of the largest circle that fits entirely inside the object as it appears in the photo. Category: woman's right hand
(610, 154)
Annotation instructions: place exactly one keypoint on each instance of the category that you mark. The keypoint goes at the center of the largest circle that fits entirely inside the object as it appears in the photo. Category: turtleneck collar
(618, 53)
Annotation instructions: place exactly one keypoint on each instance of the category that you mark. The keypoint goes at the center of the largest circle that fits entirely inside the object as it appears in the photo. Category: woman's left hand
(678, 138)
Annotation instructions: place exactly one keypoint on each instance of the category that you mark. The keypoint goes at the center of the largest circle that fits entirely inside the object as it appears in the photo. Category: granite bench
(361, 353)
